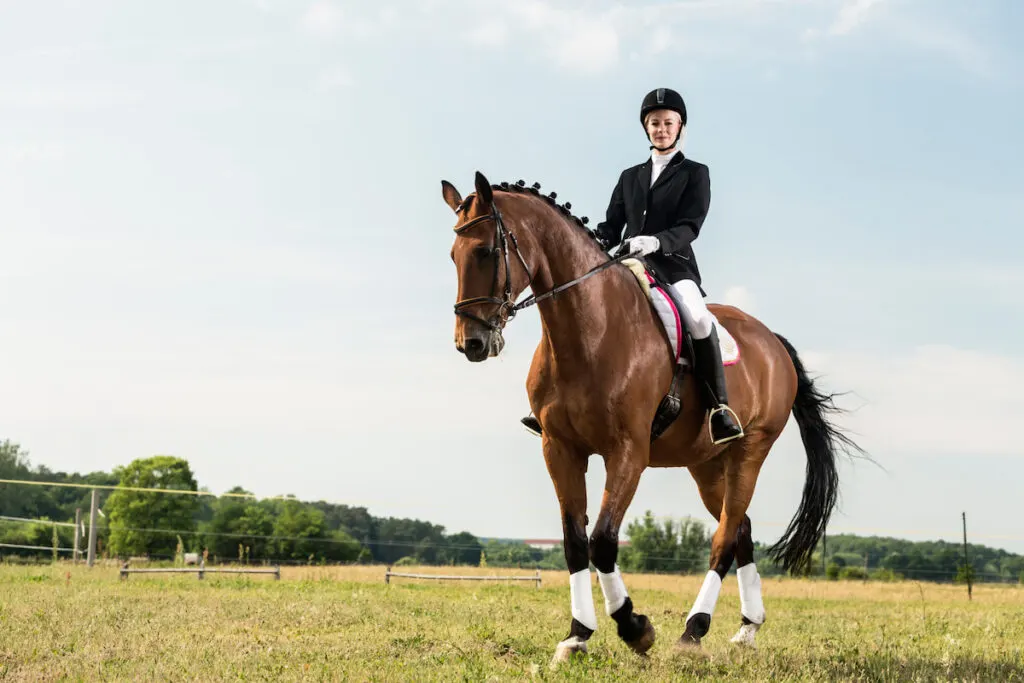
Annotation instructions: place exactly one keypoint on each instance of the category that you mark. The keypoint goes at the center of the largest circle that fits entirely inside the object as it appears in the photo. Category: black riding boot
(532, 424)
(724, 426)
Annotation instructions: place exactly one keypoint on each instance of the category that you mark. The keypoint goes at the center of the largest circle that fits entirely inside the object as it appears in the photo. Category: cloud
(593, 47)
(933, 400)
(740, 297)
(851, 15)
(322, 19)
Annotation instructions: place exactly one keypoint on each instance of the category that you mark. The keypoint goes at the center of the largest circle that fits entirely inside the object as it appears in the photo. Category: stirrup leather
(722, 407)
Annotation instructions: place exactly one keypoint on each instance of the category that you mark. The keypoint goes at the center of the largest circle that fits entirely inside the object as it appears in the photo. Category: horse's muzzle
(480, 348)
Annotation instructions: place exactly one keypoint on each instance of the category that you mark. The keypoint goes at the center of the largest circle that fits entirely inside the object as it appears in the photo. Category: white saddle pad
(673, 321)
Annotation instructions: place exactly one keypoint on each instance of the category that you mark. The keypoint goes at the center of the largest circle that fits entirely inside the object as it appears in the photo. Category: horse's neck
(575, 319)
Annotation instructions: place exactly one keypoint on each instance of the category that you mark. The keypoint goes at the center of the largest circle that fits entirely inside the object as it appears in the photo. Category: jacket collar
(645, 173)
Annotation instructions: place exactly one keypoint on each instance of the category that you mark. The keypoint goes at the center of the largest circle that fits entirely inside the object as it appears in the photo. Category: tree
(16, 500)
(146, 522)
(231, 520)
(300, 528)
(670, 546)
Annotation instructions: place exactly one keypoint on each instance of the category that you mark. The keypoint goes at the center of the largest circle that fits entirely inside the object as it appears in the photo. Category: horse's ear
(451, 195)
(483, 189)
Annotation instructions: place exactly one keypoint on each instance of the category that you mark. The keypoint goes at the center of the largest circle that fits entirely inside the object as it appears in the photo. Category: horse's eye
(483, 252)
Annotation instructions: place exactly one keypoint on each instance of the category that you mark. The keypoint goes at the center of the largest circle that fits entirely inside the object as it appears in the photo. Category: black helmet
(663, 98)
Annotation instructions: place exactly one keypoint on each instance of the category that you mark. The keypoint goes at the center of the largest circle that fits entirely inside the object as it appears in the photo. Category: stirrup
(722, 407)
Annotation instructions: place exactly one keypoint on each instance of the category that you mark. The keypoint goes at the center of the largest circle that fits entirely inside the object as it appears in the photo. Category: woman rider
(662, 204)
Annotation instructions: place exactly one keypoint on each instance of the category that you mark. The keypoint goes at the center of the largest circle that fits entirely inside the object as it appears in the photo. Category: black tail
(821, 488)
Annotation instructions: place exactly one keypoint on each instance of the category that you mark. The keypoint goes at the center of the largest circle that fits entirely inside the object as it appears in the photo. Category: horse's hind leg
(751, 603)
(730, 479)
(623, 475)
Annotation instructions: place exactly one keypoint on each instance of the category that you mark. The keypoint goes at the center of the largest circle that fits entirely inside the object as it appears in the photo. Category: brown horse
(601, 369)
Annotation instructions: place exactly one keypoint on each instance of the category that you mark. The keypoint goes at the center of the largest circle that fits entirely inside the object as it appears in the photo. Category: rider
(662, 204)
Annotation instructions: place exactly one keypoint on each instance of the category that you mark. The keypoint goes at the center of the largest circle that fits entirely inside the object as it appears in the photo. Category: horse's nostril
(474, 345)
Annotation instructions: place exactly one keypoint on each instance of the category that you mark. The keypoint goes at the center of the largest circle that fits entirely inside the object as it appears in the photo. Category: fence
(447, 577)
(86, 524)
(201, 571)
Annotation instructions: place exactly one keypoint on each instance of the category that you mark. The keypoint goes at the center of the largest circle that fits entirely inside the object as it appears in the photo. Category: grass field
(65, 623)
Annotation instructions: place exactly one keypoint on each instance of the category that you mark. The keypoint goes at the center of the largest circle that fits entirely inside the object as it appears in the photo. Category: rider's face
(663, 126)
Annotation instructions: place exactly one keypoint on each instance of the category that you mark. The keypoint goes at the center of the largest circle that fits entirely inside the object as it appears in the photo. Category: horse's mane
(519, 187)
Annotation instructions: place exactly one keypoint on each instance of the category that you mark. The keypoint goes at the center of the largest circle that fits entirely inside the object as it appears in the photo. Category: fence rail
(47, 548)
(448, 577)
(199, 571)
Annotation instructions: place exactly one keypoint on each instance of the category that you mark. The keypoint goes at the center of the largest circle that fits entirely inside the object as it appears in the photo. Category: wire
(139, 489)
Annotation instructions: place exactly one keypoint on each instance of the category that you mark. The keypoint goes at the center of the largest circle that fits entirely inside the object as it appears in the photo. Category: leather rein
(507, 306)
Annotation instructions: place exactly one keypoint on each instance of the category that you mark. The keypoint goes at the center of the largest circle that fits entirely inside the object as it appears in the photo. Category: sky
(223, 238)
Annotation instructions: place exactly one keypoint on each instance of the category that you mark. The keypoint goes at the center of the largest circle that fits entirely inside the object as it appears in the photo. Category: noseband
(507, 306)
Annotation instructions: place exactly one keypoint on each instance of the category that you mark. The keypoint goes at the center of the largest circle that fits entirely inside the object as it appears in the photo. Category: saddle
(663, 299)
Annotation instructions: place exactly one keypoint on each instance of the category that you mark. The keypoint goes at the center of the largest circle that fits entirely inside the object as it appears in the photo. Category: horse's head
(484, 253)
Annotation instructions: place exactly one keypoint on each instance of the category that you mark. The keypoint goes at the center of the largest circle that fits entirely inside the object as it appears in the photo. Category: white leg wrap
(751, 605)
(614, 590)
(708, 596)
(582, 599)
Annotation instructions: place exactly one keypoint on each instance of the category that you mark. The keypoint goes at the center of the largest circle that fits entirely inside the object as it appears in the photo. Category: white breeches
(696, 316)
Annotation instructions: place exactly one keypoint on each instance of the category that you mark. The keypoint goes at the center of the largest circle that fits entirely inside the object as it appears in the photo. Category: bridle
(507, 306)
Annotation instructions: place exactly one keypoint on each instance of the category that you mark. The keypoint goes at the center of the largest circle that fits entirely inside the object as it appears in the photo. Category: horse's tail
(821, 440)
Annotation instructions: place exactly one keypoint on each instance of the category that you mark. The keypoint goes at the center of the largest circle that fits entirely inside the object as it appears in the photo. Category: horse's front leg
(567, 466)
(623, 475)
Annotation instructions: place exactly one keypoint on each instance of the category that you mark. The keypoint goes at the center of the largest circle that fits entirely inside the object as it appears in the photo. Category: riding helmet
(663, 98)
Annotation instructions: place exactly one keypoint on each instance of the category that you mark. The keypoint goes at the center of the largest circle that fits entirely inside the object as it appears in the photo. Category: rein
(507, 306)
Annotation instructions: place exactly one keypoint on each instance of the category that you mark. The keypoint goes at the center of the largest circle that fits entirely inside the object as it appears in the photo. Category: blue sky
(224, 237)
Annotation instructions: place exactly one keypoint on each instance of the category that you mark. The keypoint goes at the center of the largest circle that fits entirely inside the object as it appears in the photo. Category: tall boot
(723, 423)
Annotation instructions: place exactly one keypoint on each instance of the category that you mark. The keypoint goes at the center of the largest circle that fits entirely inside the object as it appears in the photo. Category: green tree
(671, 546)
(299, 527)
(146, 522)
(238, 521)
(16, 500)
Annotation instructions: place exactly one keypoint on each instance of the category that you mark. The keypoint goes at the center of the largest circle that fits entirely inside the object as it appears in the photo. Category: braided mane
(519, 187)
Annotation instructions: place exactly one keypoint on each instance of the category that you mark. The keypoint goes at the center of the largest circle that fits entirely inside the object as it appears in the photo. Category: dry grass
(345, 624)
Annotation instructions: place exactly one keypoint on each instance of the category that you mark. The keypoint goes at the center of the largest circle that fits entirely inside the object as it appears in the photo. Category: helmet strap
(665, 149)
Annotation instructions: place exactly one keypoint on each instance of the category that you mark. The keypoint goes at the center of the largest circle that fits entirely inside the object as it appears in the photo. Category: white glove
(645, 244)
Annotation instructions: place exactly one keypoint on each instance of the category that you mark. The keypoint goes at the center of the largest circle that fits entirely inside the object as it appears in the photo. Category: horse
(602, 367)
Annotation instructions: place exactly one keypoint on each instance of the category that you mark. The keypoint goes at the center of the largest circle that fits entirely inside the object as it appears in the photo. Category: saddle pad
(672, 320)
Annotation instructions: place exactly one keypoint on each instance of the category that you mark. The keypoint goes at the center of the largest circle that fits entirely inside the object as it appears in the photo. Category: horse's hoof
(745, 636)
(688, 643)
(567, 648)
(689, 646)
(642, 644)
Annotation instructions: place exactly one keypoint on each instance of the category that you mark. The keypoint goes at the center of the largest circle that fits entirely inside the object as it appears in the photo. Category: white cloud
(322, 19)
(851, 15)
(593, 47)
(740, 297)
(935, 400)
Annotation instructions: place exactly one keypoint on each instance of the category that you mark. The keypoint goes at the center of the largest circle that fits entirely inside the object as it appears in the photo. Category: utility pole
(78, 530)
(92, 528)
(967, 560)
(824, 553)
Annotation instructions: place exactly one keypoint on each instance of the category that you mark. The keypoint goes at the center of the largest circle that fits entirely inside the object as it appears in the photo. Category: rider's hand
(644, 244)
